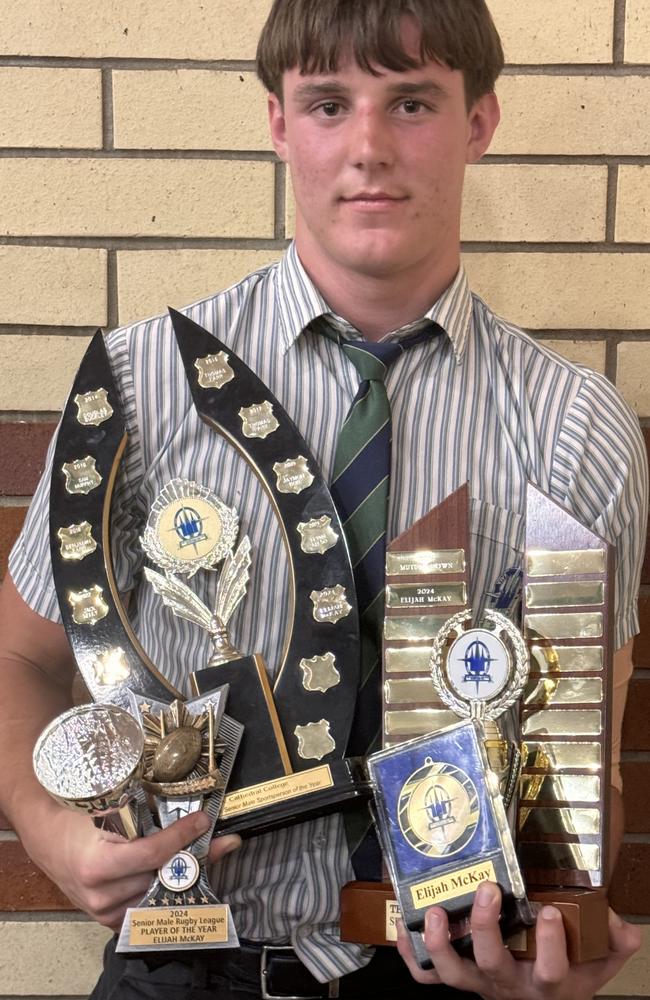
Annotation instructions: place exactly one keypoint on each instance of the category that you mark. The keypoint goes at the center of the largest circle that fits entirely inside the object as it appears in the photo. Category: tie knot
(372, 361)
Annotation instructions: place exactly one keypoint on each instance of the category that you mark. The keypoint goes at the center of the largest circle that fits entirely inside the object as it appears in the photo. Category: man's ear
(483, 120)
(278, 126)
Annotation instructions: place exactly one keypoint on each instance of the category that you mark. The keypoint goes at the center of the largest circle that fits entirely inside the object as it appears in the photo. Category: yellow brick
(50, 107)
(53, 286)
(561, 291)
(575, 115)
(591, 353)
(633, 205)
(525, 202)
(637, 31)
(70, 956)
(36, 372)
(535, 203)
(135, 197)
(189, 109)
(555, 31)
(151, 280)
(632, 375)
(166, 29)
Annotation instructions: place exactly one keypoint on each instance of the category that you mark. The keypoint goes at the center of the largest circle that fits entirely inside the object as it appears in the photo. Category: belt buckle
(266, 948)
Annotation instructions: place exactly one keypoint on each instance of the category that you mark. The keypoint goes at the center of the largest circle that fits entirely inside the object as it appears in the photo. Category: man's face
(377, 163)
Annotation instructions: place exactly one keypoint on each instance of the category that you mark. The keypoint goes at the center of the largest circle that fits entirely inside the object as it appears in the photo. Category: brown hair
(314, 34)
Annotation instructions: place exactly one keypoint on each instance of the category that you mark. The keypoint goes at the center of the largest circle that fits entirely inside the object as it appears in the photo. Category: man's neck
(377, 305)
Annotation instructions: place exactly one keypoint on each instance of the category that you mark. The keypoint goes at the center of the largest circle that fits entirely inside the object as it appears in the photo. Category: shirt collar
(301, 303)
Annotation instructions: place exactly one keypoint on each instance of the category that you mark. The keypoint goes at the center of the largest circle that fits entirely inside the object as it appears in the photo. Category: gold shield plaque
(81, 476)
(320, 673)
(214, 371)
(293, 476)
(77, 541)
(317, 536)
(331, 604)
(314, 740)
(93, 407)
(258, 420)
(88, 606)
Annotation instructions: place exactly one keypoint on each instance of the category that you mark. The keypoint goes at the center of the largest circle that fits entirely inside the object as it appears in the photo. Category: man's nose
(370, 141)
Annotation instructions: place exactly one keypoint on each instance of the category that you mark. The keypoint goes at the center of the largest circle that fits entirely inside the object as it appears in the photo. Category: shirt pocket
(496, 557)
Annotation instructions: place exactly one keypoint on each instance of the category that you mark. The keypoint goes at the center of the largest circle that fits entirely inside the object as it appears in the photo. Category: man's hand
(101, 872)
(495, 975)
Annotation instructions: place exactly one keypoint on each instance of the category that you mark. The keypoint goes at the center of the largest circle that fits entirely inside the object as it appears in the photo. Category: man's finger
(624, 941)
(221, 846)
(452, 969)
(552, 963)
(149, 853)
(489, 953)
(406, 951)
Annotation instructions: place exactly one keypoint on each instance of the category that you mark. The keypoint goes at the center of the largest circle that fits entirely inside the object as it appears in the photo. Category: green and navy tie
(361, 488)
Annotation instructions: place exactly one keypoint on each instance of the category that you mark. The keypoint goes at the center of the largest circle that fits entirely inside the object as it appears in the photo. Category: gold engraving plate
(573, 659)
(416, 690)
(314, 740)
(77, 541)
(413, 628)
(411, 660)
(320, 673)
(88, 606)
(331, 604)
(93, 408)
(571, 626)
(578, 822)
(572, 594)
(425, 595)
(317, 536)
(178, 926)
(392, 916)
(565, 722)
(558, 756)
(425, 562)
(563, 857)
(563, 787)
(417, 721)
(111, 667)
(214, 371)
(566, 563)
(81, 476)
(293, 476)
(450, 886)
(567, 691)
(282, 789)
(258, 420)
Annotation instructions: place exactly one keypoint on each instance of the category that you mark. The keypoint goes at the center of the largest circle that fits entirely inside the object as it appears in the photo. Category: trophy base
(369, 913)
(177, 928)
(293, 798)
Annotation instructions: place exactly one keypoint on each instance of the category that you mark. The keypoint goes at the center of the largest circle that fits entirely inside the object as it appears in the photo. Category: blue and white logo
(180, 873)
(478, 665)
(188, 525)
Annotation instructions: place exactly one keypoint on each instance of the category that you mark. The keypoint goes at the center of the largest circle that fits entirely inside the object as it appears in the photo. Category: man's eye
(411, 107)
(330, 109)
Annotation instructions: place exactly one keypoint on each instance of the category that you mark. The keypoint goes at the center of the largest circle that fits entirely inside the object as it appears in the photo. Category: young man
(377, 107)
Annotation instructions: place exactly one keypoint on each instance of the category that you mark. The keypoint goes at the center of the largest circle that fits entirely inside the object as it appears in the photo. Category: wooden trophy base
(369, 913)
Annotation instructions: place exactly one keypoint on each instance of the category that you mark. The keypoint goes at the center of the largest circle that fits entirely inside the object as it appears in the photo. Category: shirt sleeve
(30, 563)
(600, 473)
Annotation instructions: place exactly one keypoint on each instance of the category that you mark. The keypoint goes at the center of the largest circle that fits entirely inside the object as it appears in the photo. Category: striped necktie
(361, 488)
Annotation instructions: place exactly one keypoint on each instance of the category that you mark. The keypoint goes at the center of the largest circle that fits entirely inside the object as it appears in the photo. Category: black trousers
(235, 975)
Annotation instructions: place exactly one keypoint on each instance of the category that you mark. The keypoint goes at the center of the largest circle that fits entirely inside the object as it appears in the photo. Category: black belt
(282, 975)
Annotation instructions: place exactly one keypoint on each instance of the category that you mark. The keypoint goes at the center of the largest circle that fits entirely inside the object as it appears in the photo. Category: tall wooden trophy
(527, 771)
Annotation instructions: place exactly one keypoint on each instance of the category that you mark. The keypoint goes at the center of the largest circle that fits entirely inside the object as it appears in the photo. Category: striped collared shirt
(484, 404)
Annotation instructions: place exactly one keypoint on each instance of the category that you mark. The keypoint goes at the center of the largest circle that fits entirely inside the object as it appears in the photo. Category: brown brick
(636, 785)
(11, 521)
(630, 890)
(23, 886)
(642, 641)
(636, 724)
(22, 455)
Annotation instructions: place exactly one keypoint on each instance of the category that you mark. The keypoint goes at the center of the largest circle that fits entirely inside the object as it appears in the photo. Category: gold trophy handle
(128, 822)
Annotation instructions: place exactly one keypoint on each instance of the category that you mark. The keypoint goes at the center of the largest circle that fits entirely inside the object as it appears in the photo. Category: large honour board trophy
(278, 755)
(534, 748)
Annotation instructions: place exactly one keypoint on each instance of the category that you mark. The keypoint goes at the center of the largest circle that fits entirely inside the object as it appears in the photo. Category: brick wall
(136, 172)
